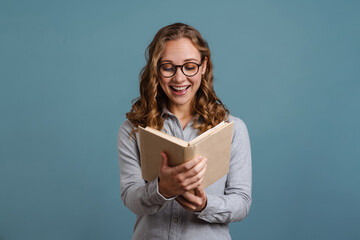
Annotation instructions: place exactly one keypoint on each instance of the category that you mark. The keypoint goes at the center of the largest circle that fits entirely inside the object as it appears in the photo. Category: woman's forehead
(180, 50)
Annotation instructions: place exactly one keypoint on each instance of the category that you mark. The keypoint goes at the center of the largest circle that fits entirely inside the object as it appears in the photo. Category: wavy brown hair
(148, 108)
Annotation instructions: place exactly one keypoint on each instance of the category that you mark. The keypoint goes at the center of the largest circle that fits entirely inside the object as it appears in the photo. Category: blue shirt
(228, 199)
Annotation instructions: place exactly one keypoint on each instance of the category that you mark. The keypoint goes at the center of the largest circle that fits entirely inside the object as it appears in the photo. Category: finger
(202, 195)
(202, 172)
(185, 204)
(188, 165)
(195, 180)
(196, 169)
(193, 200)
(199, 191)
(164, 160)
(194, 185)
(189, 197)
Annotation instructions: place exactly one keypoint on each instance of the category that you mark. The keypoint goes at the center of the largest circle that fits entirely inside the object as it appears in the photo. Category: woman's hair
(148, 108)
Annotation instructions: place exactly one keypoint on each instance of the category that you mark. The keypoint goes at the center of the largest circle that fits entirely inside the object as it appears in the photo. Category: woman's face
(181, 89)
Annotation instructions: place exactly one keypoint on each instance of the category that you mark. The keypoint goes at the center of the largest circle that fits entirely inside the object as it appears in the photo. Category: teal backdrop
(69, 70)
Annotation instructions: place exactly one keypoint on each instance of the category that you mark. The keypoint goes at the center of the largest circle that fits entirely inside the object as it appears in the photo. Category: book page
(173, 139)
(216, 147)
(207, 133)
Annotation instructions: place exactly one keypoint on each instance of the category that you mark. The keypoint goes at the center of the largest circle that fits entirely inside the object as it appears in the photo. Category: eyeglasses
(189, 69)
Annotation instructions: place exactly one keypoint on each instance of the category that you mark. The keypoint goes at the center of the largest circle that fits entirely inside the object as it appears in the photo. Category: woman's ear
(204, 65)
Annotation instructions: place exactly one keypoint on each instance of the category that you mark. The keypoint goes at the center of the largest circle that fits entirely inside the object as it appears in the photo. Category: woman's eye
(167, 68)
(189, 68)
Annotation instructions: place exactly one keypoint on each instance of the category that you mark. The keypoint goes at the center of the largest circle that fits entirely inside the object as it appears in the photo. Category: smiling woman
(177, 97)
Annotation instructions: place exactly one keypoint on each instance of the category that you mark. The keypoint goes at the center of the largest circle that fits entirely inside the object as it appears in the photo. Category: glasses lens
(167, 69)
(190, 69)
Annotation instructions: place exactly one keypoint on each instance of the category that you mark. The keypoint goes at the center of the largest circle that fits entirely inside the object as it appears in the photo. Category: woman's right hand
(177, 180)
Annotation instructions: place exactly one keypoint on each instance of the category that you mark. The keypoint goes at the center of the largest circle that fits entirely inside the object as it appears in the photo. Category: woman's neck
(183, 113)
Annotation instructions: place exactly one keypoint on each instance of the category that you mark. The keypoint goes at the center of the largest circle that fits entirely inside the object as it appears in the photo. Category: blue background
(69, 69)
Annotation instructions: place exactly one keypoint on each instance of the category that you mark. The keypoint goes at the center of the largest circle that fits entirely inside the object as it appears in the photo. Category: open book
(214, 144)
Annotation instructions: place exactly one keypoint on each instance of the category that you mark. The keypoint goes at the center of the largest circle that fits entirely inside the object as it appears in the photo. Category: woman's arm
(234, 204)
(140, 197)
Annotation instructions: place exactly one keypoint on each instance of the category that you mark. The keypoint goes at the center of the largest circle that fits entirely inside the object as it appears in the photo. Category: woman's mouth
(179, 90)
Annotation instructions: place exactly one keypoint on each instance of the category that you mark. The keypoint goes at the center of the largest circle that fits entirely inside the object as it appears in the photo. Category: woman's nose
(179, 75)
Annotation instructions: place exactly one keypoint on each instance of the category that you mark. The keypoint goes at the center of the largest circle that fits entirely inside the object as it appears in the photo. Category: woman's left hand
(193, 202)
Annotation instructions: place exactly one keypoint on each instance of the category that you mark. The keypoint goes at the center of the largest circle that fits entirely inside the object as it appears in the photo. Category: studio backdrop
(69, 70)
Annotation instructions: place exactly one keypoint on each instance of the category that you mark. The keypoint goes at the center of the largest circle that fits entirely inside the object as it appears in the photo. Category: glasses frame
(181, 67)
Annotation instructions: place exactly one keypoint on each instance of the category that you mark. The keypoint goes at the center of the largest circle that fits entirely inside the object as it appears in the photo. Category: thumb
(164, 160)
(199, 191)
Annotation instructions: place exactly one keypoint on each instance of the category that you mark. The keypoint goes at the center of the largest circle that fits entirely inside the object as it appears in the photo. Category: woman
(177, 97)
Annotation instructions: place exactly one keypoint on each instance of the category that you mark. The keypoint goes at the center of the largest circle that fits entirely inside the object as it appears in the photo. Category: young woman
(177, 96)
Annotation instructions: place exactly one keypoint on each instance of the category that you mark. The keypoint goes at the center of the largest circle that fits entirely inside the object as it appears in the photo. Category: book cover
(214, 144)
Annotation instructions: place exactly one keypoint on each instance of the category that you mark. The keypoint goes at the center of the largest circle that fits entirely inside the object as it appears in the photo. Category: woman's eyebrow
(186, 60)
(190, 59)
(161, 61)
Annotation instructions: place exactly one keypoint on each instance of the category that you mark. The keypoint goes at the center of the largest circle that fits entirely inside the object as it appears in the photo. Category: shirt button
(176, 220)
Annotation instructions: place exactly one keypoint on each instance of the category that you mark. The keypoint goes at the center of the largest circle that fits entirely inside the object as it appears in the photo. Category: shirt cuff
(209, 210)
(159, 194)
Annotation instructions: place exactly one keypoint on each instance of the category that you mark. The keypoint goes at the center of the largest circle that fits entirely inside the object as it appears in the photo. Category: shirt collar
(165, 112)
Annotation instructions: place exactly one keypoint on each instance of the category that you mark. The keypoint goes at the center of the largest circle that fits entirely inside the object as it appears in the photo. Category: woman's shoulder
(237, 121)
(126, 125)
(239, 125)
(125, 129)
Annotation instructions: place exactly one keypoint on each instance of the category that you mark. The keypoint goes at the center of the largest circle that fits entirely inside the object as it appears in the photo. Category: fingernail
(200, 157)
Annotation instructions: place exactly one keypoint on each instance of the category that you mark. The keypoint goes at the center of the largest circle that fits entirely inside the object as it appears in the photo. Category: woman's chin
(176, 101)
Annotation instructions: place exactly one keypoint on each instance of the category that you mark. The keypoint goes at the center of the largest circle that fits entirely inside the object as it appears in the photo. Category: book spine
(189, 153)
(143, 164)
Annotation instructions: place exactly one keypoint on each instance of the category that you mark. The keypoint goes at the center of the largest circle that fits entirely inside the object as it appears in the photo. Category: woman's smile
(180, 90)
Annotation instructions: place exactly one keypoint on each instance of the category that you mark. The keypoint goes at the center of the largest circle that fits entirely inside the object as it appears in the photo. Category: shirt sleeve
(142, 198)
(234, 204)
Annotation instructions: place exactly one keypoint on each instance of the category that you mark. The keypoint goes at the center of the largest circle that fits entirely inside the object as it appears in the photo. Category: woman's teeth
(179, 88)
